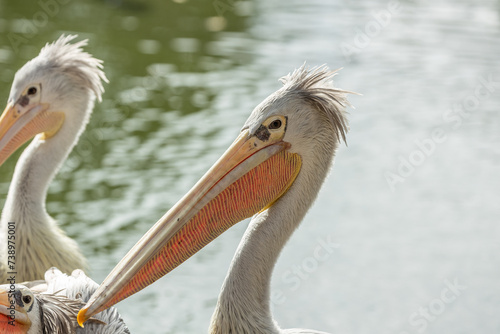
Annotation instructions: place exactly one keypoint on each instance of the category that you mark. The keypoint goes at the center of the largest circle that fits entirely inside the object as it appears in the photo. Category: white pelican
(51, 99)
(274, 169)
(51, 306)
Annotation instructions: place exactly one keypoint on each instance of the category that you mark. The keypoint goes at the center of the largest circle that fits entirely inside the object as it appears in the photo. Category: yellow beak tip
(81, 318)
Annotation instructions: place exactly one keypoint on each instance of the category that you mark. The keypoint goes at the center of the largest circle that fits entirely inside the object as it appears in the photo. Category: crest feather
(72, 59)
(58, 313)
(315, 85)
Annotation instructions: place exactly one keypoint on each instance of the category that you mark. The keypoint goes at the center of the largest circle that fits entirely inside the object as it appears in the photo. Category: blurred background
(409, 215)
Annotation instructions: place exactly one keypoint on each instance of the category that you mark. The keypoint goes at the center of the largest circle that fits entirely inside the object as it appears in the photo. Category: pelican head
(303, 112)
(19, 310)
(47, 92)
(284, 150)
(35, 312)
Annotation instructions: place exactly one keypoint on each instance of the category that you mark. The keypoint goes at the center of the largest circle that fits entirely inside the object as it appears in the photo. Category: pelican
(273, 170)
(51, 306)
(51, 99)
(21, 311)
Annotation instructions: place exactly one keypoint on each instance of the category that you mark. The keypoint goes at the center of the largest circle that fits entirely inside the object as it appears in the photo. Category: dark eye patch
(18, 296)
(262, 133)
(23, 101)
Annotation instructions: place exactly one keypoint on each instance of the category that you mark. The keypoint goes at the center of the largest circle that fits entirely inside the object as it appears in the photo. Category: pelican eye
(276, 124)
(27, 299)
(32, 91)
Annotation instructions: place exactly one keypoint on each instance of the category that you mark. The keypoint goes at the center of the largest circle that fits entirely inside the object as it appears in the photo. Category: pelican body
(51, 99)
(273, 172)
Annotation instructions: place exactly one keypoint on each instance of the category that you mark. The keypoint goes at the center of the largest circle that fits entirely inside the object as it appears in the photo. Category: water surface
(184, 76)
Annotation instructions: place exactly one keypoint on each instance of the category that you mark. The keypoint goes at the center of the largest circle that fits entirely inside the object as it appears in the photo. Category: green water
(142, 44)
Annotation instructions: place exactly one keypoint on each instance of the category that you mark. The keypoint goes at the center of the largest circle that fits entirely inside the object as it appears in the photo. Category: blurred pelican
(51, 306)
(51, 99)
(274, 170)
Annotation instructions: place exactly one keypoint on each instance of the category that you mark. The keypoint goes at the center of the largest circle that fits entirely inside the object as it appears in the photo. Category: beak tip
(82, 316)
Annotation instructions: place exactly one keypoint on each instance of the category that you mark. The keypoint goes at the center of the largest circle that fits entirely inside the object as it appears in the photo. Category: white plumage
(52, 97)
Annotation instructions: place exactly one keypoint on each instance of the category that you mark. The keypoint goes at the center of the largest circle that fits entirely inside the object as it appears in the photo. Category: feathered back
(78, 287)
(58, 313)
(315, 86)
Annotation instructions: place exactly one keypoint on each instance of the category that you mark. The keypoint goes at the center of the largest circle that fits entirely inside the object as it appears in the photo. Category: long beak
(13, 319)
(250, 176)
(16, 129)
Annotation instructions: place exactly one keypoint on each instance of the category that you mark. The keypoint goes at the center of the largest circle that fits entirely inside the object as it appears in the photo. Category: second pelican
(274, 169)
(51, 99)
